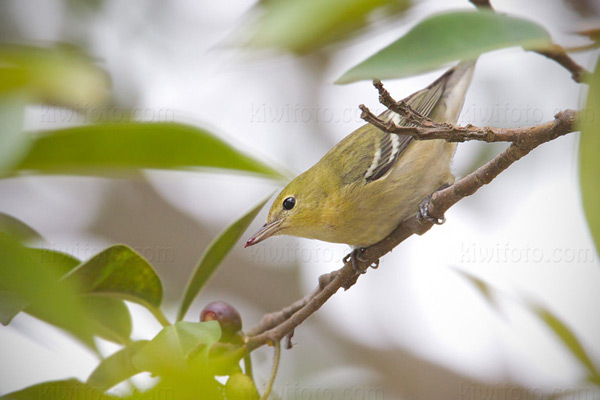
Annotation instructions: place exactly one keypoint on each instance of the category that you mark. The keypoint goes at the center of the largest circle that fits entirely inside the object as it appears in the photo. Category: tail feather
(456, 83)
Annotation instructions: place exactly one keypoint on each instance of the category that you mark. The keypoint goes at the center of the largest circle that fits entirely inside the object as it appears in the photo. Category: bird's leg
(423, 214)
(354, 258)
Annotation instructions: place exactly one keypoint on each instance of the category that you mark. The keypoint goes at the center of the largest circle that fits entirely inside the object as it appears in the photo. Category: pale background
(415, 328)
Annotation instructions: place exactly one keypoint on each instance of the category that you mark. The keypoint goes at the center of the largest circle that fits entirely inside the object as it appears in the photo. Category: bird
(371, 181)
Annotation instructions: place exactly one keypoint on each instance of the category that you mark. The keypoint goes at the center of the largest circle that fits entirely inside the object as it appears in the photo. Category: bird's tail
(455, 83)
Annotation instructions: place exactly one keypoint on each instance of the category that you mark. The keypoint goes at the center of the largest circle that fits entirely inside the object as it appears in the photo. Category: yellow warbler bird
(371, 181)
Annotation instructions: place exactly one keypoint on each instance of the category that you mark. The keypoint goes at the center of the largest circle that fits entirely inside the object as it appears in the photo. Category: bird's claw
(423, 214)
(355, 260)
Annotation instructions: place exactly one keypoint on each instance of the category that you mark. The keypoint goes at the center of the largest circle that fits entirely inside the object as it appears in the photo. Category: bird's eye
(289, 203)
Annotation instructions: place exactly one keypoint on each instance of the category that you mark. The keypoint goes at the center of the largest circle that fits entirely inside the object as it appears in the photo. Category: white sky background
(522, 235)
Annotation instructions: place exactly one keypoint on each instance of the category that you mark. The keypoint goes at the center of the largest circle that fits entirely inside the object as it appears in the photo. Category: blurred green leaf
(11, 304)
(214, 255)
(304, 25)
(59, 264)
(567, 337)
(13, 141)
(106, 317)
(184, 386)
(30, 282)
(201, 388)
(110, 146)
(448, 37)
(18, 229)
(224, 358)
(241, 387)
(71, 389)
(120, 272)
(116, 368)
(60, 75)
(168, 353)
(486, 291)
(110, 318)
(589, 162)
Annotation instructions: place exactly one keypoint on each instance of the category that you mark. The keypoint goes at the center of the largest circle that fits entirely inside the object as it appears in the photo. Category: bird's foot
(357, 262)
(423, 214)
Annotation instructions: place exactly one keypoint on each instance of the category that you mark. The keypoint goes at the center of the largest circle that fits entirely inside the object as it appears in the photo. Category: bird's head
(296, 210)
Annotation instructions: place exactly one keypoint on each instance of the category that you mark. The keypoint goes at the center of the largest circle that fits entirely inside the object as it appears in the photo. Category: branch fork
(278, 325)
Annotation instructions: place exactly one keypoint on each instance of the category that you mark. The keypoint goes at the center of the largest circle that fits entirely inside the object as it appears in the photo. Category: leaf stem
(248, 366)
(159, 315)
(276, 357)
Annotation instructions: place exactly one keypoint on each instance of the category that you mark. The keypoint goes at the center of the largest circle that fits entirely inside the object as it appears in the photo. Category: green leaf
(13, 142)
(183, 387)
(214, 255)
(241, 387)
(109, 146)
(58, 264)
(120, 272)
(61, 263)
(448, 37)
(59, 75)
(106, 317)
(16, 228)
(589, 162)
(567, 337)
(486, 291)
(168, 353)
(71, 389)
(30, 282)
(11, 304)
(304, 25)
(110, 318)
(116, 368)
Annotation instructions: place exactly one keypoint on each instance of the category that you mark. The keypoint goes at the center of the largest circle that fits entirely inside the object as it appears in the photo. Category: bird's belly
(380, 208)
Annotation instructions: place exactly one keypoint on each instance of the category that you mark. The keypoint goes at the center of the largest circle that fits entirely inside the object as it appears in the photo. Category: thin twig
(428, 129)
(276, 358)
(271, 320)
(556, 52)
(276, 326)
(482, 4)
(248, 370)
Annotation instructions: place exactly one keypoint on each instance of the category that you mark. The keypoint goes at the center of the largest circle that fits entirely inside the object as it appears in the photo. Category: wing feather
(389, 146)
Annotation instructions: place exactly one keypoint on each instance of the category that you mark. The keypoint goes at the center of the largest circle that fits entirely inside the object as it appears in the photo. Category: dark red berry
(228, 317)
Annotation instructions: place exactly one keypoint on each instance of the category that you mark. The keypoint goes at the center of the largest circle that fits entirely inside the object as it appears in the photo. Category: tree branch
(427, 129)
(275, 326)
(558, 54)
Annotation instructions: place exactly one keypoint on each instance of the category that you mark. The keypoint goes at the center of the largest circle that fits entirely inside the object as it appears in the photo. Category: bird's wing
(389, 146)
(369, 153)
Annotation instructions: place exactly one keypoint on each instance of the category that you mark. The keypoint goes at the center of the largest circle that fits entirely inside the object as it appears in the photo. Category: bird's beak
(265, 232)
